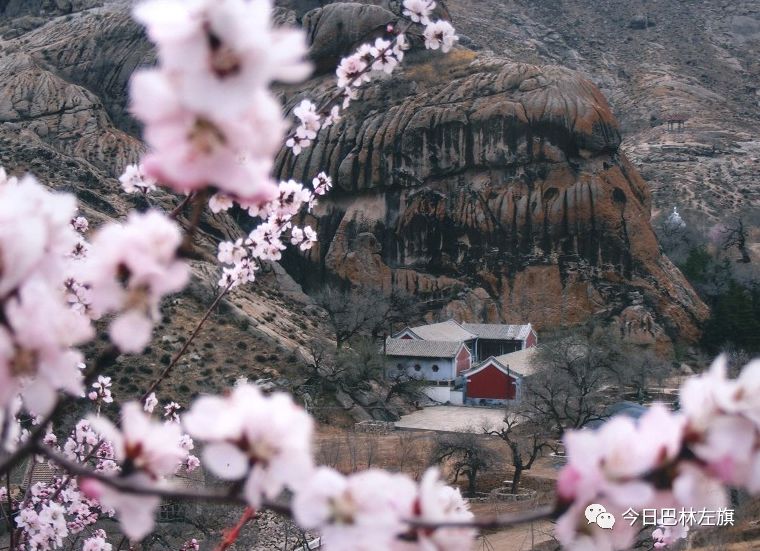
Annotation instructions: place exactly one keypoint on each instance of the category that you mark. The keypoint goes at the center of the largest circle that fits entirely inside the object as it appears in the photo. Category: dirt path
(519, 538)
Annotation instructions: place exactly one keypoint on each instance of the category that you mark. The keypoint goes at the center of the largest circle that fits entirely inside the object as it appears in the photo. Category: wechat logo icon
(597, 514)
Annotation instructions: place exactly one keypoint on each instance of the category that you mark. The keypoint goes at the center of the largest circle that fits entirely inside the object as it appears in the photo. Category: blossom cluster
(373, 510)
(209, 117)
(382, 56)
(664, 459)
(134, 180)
(264, 443)
(265, 242)
(38, 329)
(52, 511)
(132, 266)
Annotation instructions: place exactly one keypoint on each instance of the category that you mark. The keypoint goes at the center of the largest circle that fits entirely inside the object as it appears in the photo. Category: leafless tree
(527, 437)
(406, 449)
(330, 454)
(370, 449)
(466, 453)
(345, 368)
(572, 371)
(736, 236)
(401, 383)
(638, 370)
(363, 311)
(352, 447)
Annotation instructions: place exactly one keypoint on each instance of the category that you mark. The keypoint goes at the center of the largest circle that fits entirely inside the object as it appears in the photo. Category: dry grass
(442, 68)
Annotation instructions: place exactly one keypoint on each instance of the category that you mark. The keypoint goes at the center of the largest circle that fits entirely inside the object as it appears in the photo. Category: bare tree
(466, 453)
(527, 437)
(352, 446)
(330, 454)
(572, 370)
(406, 449)
(401, 383)
(363, 311)
(736, 236)
(638, 370)
(345, 368)
(370, 449)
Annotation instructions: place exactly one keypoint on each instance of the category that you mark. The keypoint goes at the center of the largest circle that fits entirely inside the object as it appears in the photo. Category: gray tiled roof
(520, 362)
(498, 331)
(421, 348)
(443, 331)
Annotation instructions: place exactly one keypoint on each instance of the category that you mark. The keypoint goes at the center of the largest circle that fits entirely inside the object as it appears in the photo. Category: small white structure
(439, 362)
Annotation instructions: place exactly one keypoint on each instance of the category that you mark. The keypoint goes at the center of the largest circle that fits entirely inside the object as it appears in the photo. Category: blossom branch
(179, 208)
(503, 520)
(106, 358)
(231, 536)
(187, 343)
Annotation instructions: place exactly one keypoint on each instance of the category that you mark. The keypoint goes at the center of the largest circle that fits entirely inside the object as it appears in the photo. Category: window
(435, 368)
(418, 367)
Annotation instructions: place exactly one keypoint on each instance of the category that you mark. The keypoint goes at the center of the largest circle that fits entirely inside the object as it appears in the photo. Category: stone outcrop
(494, 191)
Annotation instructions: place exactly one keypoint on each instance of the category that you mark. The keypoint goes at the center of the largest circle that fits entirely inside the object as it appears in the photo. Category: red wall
(530, 342)
(463, 360)
(491, 383)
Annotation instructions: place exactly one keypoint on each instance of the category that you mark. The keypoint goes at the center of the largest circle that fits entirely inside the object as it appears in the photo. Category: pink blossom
(80, 224)
(148, 446)
(438, 503)
(665, 536)
(133, 266)
(440, 34)
(222, 49)
(150, 403)
(36, 236)
(322, 183)
(220, 202)
(36, 357)
(364, 511)
(97, 542)
(134, 180)
(135, 512)
(264, 439)
(384, 58)
(419, 10)
(352, 71)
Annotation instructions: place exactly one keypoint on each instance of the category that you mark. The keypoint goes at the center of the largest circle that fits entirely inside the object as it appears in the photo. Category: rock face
(695, 58)
(495, 191)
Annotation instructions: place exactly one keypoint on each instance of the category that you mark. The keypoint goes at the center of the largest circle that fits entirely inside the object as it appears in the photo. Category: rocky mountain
(64, 68)
(652, 58)
(492, 188)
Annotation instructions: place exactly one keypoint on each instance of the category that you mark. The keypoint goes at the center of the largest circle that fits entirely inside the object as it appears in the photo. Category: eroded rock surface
(495, 190)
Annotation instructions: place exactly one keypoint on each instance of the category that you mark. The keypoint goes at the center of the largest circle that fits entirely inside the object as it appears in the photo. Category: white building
(439, 362)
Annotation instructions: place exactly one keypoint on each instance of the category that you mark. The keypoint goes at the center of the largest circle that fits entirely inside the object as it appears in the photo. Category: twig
(9, 514)
(489, 522)
(65, 481)
(187, 343)
(106, 358)
(231, 535)
(127, 486)
(178, 209)
(327, 105)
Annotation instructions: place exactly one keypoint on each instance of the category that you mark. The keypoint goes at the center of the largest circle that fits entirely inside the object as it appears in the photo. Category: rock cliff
(495, 191)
